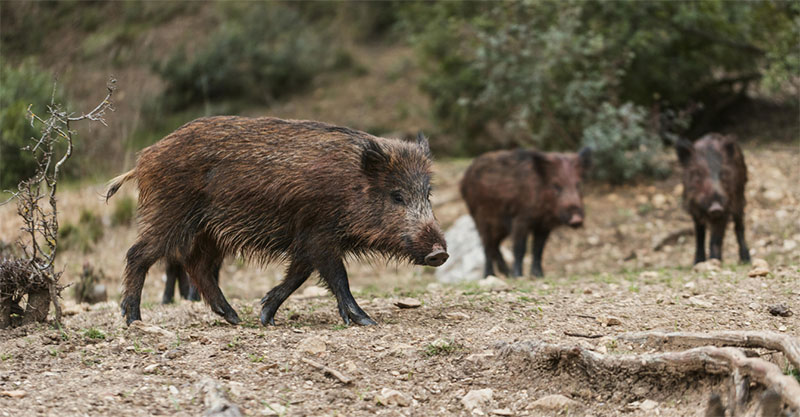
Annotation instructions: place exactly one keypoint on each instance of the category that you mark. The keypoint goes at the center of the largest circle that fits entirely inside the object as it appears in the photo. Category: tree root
(789, 346)
(706, 360)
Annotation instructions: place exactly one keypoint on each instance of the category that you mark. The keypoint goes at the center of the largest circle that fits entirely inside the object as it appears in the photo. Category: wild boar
(714, 177)
(523, 192)
(271, 189)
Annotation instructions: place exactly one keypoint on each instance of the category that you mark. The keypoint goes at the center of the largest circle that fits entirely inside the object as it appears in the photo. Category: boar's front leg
(519, 235)
(297, 273)
(174, 271)
(333, 272)
(539, 239)
(700, 238)
(715, 241)
(744, 252)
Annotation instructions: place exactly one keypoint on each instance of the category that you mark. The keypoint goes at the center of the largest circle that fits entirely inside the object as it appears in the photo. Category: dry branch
(788, 345)
(329, 371)
(704, 360)
(673, 238)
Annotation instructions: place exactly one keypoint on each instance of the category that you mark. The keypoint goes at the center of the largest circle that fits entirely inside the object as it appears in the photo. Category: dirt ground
(432, 355)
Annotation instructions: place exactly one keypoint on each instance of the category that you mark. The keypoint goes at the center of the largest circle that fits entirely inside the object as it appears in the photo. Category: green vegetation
(441, 347)
(82, 236)
(124, 211)
(93, 333)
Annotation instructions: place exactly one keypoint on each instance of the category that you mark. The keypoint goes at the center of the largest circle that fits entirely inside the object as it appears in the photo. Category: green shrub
(623, 146)
(124, 211)
(259, 54)
(82, 236)
(20, 87)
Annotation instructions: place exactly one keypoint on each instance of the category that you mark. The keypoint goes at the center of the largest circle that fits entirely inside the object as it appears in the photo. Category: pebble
(606, 321)
(149, 369)
(390, 396)
(648, 405)
(17, 393)
(502, 412)
(477, 398)
(408, 303)
(699, 301)
(274, 409)
(707, 266)
(780, 310)
(659, 200)
(555, 402)
(313, 345)
(457, 315)
(493, 283)
(760, 268)
(789, 245)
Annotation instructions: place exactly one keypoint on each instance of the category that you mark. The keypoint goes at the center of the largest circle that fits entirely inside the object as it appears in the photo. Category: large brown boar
(271, 189)
(523, 192)
(714, 176)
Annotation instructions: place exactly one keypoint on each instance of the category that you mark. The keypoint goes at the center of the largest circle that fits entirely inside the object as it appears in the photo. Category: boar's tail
(114, 184)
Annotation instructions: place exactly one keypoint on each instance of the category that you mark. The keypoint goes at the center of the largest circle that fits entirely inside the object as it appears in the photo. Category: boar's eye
(398, 198)
(557, 188)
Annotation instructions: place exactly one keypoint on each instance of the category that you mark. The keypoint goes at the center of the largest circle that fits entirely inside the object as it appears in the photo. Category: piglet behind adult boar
(523, 192)
(272, 189)
(714, 176)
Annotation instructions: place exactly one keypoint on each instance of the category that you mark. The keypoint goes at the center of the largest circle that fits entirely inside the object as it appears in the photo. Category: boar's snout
(437, 256)
(715, 210)
(576, 221)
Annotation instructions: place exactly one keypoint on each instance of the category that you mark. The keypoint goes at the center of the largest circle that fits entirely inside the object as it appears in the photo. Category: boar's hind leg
(202, 264)
(700, 237)
(296, 275)
(539, 239)
(744, 252)
(335, 276)
(172, 277)
(191, 293)
(140, 257)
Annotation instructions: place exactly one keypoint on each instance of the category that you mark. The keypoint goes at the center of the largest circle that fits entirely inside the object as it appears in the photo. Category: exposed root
(788, 345)
(613, 369)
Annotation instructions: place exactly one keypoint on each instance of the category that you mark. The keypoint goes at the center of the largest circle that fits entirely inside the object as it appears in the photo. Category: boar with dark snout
(523, 192)
(271, 189)
(714, 176)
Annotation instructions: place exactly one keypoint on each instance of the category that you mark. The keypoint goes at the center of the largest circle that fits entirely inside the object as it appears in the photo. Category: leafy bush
(124, 211)
(554, 75)
(259, 54)
(623, 146)
(21, 86)
(82, 236)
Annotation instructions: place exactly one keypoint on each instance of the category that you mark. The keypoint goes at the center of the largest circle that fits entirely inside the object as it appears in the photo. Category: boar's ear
(585, 158)
(422, 142)
(540, 163)
(373, 157)
(684, 148)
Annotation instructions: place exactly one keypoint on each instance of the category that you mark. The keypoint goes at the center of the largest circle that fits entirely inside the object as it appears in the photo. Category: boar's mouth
(424, 252)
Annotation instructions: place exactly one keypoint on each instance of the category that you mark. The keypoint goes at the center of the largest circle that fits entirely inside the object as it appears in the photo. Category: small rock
(408, 303)
(390, 396)
(678, 190)
(555, 402)
(150, 329)
(760, 268)
(789, 245)
(781, 328)
(780, 310)
(480, 357)
(274, 409)
(173, 390)
(17, 393)
(313, 345)
(502, 412)
(476, 398)
(698, 301)
(314, 291)
(707, 266)
(648, 275)
(606, 321)
(457, 315)
(659, 200)
(648, 405)
(149, 369)
(173, 353)
(773, 194)
(493, 283)
(593, 240)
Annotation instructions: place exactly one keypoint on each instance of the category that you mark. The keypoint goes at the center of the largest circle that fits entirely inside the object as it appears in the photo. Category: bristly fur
(271, 189)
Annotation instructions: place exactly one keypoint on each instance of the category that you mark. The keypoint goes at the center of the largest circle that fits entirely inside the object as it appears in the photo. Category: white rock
(390, 396)
(555, 402)
(312, 344)
(466, 253)
(502, 412)
(699, 301)
(274, 409)
(773, 194)
(789, 245)
(659, 200)
(480, 357)
(593, 240)
(648, 405)
(149, 369)
(476, 398)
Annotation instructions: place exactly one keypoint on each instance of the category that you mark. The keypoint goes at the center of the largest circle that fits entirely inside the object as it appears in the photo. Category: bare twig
(788, 345)
(586, 336)
(329, 371)
(672, 238)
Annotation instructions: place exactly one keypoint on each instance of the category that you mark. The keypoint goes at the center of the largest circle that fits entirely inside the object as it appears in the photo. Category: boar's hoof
(355, 315)
(227, 312)
(268, 315)
(130, 310)
(744, 257)
(437, 257)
